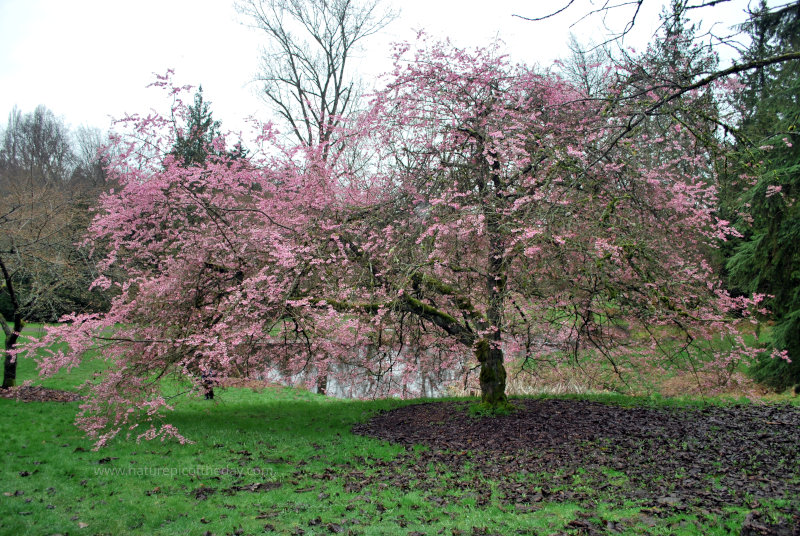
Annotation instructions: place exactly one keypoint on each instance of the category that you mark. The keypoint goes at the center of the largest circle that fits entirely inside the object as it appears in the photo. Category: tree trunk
(493, 374)
(490, 352)
(322, 384)
(10, 365)
(12, 334)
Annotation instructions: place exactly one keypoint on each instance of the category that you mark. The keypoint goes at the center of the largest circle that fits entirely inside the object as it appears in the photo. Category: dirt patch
(28, 393)
(669, 460)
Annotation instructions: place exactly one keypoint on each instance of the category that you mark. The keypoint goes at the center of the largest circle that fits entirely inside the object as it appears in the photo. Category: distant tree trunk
(12, 334)
(322, 384)
(10, 365)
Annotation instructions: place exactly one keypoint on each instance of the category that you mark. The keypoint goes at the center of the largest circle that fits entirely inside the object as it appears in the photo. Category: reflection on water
(386, 376)
(421, 386)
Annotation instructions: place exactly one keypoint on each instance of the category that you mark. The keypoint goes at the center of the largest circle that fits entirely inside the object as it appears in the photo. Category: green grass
(298, 445)
(68, 380)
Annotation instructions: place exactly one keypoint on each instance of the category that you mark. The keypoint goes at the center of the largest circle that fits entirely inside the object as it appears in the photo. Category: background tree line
(50, 178)
(763, 186)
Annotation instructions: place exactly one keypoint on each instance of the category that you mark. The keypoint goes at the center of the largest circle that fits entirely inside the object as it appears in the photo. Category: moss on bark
(493, 374)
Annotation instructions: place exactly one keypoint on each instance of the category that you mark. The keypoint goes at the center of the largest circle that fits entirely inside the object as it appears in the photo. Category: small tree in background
(307, 68)
(200, 138)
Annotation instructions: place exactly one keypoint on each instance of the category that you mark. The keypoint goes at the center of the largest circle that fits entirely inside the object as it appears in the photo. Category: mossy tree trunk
(493, 373)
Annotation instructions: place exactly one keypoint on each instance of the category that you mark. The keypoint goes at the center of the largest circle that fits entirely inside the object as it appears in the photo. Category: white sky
(90, 60)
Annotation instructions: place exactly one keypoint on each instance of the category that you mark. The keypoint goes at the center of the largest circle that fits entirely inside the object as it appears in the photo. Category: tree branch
(553, 14)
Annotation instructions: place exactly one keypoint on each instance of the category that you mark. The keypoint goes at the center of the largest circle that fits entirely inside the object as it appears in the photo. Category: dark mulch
(666, 459)
(26, 393)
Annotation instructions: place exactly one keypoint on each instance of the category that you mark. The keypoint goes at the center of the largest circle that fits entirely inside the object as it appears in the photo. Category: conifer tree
(201, 138)
(767, 259)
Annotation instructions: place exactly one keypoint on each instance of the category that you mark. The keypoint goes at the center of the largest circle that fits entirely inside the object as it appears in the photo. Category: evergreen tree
(200, 138)
(673, 61)
(767, 258)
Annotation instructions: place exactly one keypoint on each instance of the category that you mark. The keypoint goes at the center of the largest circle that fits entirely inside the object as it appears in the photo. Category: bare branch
(635, 120)
(305, 66)
(553, 14)
(707, 4)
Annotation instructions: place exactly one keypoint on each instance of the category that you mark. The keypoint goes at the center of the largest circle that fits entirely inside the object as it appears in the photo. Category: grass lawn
(276, 461)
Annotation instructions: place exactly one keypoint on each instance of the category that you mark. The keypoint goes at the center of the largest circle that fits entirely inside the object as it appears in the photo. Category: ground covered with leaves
(35, 393)
(285, 461)
(693, 460)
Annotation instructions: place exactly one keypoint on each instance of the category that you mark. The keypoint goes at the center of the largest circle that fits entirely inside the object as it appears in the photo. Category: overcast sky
(90, 60)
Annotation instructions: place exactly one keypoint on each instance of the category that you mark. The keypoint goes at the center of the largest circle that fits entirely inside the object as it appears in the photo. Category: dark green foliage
(6, 308)
(767, 258)
(201, 139)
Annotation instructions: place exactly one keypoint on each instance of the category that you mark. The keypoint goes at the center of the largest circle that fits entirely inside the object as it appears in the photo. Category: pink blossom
(773, 189)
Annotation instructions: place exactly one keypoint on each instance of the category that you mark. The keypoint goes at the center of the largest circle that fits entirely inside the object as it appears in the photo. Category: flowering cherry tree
(524, 221)
(480, 214)
(213, 256)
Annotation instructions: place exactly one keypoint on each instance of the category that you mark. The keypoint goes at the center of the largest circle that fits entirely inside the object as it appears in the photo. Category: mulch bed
(27, 393)
(669, 460)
